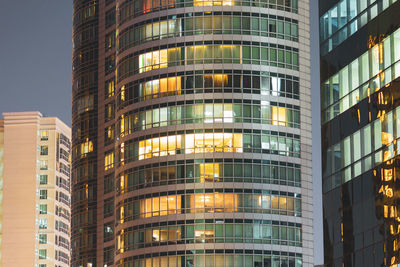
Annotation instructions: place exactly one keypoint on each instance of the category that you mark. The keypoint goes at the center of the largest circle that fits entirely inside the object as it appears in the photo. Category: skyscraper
(191, 133)
(360, 50)
(34, 190)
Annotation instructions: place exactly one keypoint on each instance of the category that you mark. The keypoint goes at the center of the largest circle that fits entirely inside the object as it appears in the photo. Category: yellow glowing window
(154, 87)
(162, 235)
(210, 142)
(122, 126)
(156, 147)
(160, 206)
(216, 202)
(110, 132)
(172, 84)
(163, 85)
(44, 135)
(153, 60)
(174, 234)
(209, 172)
(123, 93)
(122, 154)
(148, 89)
(86, 147)
(110, 88)
(279, 116)
(213, 3)
(275, 202)
(109, 161)
(194, 143)
(220, 80)
(202, 236)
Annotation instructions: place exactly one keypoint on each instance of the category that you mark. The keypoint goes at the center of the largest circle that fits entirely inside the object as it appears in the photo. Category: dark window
(109, 183)
(110, 64)
(108, 207)
(110, 17)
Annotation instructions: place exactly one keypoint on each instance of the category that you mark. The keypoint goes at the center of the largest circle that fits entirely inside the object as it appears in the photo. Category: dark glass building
(360, 99)
(191, 134)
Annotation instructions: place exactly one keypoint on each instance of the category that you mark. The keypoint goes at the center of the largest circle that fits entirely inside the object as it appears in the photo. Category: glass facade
(84, 132)
(345, 18)
(360, 127)
(201, 134)
(207, 122)
(374, 69)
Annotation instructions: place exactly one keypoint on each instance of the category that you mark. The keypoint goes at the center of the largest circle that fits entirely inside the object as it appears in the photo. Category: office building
(191, 133)
(34, 190)
(360, 69)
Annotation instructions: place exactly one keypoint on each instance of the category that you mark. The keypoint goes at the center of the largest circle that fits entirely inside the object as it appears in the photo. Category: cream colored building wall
(19, 184)
(54, 127)
(47, 124)
(21, 202)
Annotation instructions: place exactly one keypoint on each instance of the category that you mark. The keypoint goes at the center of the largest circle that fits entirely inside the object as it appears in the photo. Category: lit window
(209, 172)
(109, 111)
(43, 223)
(211, 203)
(160, 206)
(204, 236)
(109, 161)
(122, 93)
(44, 164)
(109, 133)
(110, 87)
(86, 147)
(213, 3)
(279, 116)
(159, 146)
(163, 87)
(194, 143)
(162, 235)
(158, 59)
(213, 142)
(44, 135)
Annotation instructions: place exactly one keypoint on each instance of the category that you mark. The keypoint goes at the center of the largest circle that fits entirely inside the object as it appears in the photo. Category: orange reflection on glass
(387, 138)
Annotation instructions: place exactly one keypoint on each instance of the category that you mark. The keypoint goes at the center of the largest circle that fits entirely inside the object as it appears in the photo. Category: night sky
(35, 56)
(35, 71)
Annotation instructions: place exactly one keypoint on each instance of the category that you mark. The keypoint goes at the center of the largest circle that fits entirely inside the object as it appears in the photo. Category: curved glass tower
(206, 139)
(84, 133)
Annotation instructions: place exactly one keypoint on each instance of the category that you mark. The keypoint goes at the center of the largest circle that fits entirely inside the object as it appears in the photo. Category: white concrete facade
(35, 204)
